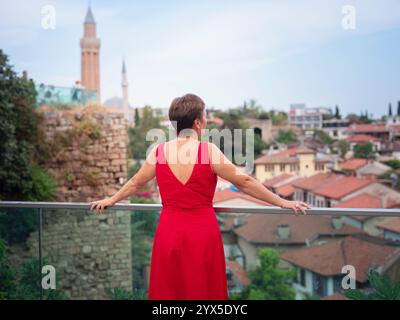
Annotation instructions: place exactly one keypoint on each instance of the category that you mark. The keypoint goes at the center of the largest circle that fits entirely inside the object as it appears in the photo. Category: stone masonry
(91, 253)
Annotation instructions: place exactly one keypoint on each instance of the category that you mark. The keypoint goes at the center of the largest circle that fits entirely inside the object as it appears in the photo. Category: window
(302, 277)
(269, 167)
(283, 167)
(319, 285)
(328, 203)
(304, 195)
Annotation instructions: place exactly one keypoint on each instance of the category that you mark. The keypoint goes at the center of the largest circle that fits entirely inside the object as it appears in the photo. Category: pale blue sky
(277, 52)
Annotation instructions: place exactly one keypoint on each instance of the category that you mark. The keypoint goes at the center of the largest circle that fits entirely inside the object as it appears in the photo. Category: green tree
(323, 137)
(137, 119)
(394, 164)
(343, 147)
(364, 150)
(21, 178)
(383, 288)
(337, 112)
(29, 285)
(390, 113)
(268, 280)
(286, 137)
(138, 146)
(141, 249)
(16, 224)
(7, 274)
(18, 129)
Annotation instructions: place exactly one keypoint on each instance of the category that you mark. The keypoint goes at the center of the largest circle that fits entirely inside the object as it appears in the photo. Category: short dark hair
(184, 110)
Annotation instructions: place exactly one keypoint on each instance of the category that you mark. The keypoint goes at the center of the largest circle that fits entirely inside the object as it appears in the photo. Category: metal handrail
(217, 208)
(157, 207)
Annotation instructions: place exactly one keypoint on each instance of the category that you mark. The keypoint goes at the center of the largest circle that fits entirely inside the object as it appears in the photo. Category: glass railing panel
(19, 254)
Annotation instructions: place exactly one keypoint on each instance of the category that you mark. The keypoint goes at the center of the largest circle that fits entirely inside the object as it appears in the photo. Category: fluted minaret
(90, 51)
(125, 98)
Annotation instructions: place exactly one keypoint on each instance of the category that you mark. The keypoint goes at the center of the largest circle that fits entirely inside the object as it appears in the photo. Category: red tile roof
(272, 159)
(285, 156)
(328, 259)
(315, 181)
(365, 128)
(238, 271)
(361, 138)
(353, 164)
(269, 183)
(286, 190)
(391, 225)
(262, 228)
(342, 187)
(363, 200)
(294, 151)
(229, 194)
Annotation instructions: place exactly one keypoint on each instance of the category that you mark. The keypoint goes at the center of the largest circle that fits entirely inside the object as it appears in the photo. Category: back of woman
(188, 256)
(188, 261)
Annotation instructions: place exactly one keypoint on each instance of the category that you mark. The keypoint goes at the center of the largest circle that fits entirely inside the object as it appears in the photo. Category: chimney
(25, 75)
(337, 223)
(283, 231)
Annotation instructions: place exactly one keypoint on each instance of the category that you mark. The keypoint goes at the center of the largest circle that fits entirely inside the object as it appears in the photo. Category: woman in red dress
(187, 261)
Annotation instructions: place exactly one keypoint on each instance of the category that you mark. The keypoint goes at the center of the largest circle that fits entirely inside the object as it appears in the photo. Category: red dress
(187, 261)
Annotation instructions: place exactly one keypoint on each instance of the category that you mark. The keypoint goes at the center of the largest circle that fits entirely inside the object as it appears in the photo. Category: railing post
(40, 218)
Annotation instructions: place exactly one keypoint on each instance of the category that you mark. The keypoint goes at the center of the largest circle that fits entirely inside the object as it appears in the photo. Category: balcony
(105, 256)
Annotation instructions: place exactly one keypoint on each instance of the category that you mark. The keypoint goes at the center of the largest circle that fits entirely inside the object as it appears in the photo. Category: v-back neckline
(193, 169)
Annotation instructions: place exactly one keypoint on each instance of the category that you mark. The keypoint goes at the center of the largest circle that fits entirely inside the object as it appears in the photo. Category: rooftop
(262, 229)
(328, 259)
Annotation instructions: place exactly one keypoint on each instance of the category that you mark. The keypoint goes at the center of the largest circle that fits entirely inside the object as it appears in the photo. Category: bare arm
(146, 173)
(225, 169)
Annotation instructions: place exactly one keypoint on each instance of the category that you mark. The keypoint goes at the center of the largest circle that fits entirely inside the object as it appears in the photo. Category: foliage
(7, 275)
(29, 284)
(44, 186)
(122, 294)
(25, 284)
(141, 249)
(89, 128)
(286, 136)
(18, 129)
(394, 164)
(343, 147)
(138, 145)
(323, 137)
(269, 281)
(279, 118)
(364, 150)
(16, 224)
(382, 286)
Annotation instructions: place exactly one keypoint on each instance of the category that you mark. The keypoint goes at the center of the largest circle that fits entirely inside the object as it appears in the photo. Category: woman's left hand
(101, 205)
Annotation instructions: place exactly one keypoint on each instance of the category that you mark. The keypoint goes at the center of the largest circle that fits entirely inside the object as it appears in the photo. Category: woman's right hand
(296, 206)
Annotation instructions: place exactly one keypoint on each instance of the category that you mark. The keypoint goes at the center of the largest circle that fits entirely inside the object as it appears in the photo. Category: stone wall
(89, 151)
(91, 253)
